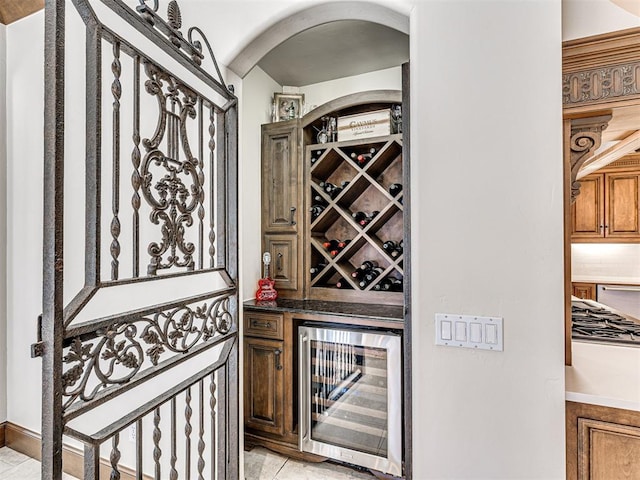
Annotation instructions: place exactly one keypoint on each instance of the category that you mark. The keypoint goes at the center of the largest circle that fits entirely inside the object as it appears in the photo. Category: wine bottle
(373, 274)
(316, 210)
(341, 244)
(344, 183)
(396, 252)
(396, 285)
(370, 276)
(328, 187)
(342, 284)
(317, 268)
(389, 246)
(395, 189)
(317, 199)
(358, 273)
(335, 192)
(369, 264)
(359, 216)
(383, 285)
(331, 244)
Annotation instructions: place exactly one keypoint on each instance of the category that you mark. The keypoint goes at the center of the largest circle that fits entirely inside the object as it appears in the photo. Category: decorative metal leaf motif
(174, 16)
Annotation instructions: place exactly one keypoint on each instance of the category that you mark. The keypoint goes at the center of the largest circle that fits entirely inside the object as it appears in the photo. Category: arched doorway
(257, 87)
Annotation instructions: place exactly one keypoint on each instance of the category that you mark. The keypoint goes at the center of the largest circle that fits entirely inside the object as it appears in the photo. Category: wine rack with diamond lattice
(355, 217)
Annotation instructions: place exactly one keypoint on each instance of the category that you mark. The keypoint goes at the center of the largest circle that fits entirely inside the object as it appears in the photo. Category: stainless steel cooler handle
(621, 288)
(305, 387)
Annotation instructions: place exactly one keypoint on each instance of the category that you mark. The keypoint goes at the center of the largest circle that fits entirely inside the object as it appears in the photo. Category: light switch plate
(469, 331)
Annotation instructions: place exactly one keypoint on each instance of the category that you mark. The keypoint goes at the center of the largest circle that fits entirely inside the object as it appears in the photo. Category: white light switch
(461, 331)
(445, 330)
(475, 332)
(469, 331)
(491, 334)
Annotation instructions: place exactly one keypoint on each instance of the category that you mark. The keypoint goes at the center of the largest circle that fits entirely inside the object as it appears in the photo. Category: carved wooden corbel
(586, 135)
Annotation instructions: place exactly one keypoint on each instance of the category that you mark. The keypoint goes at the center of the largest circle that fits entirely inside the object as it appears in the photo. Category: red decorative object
(266, 291)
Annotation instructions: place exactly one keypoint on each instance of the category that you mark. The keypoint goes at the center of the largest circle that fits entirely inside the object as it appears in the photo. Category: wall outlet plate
(469, 331)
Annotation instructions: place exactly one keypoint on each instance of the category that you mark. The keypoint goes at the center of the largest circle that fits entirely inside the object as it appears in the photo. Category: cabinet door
(585, 291)
(622, 205)
(264, 385)
(284, 260)
(280, 192)
(587, 212)
(607, 451)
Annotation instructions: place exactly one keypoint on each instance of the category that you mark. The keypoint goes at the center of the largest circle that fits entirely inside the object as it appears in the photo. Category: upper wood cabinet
(281, 196)
(585, 291)
(621, 200)
(607, 208)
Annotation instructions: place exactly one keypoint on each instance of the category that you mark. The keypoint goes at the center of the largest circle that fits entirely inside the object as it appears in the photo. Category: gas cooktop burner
(593, 323)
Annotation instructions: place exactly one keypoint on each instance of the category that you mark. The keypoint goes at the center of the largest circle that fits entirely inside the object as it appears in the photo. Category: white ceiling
(335, 50)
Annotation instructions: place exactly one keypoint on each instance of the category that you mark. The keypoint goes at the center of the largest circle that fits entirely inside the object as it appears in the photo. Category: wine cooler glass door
(350, 399)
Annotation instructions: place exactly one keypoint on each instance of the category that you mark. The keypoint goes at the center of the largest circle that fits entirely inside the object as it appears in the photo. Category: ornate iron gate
(139, 335)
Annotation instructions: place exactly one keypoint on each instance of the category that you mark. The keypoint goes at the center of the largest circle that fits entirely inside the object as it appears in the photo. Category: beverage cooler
(351, 396)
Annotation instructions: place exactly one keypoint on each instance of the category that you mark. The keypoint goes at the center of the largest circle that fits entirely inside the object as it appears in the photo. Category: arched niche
(372, 98)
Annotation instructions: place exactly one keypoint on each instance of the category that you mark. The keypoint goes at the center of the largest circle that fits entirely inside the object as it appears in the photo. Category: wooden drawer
(265, 325)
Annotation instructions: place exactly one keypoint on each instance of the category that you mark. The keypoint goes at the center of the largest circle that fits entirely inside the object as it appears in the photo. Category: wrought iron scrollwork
(118, 353)
(171, 29)
(178, 187)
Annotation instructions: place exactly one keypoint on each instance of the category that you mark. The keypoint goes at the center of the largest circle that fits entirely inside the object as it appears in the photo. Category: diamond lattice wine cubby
(355, 220)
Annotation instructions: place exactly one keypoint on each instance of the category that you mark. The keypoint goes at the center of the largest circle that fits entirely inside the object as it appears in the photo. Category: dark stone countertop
(394, 313)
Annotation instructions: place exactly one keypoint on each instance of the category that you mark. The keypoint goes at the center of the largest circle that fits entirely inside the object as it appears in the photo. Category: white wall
(606, 261)
(25, 94)
(485, 239)
(319, 93)
(3, 224)
(255, 109)
(583, 18)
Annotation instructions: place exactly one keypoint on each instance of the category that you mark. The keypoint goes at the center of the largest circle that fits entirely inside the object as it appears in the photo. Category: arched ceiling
(334, 50)
(311, 23)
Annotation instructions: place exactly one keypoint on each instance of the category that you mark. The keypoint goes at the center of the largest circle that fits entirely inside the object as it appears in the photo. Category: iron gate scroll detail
(176, 219)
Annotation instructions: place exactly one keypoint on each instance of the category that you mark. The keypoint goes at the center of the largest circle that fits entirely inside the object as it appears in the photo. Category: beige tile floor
(16, 466)
(259, 464)
(262, 464)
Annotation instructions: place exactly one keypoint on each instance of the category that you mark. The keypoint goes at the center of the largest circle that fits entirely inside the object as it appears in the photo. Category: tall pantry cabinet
(282, 204)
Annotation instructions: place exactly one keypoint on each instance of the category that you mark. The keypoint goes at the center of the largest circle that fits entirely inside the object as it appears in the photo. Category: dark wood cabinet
(280, 177)
(603, 443)
(284, 260)
(282, 204)
(585, 291)
(606, 210)
(264, 372)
